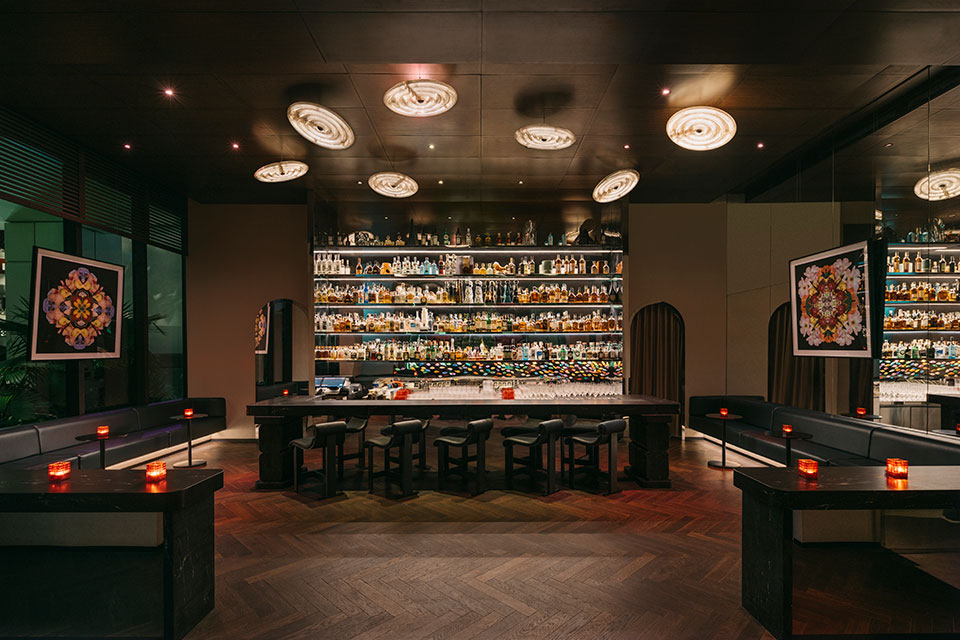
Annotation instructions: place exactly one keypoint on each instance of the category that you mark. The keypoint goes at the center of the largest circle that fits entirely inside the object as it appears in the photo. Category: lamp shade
(393, 184)
(938, 185)
(701, 128)
(282, 171)
(420, 98)
(616, 185)
(544, 136)
(320, 125)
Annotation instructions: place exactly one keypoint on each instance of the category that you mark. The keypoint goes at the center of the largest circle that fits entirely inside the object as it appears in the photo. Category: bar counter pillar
(649, 440)
(276, 456)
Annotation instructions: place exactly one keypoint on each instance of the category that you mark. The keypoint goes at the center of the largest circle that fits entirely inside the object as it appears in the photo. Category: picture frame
(261, 331)
(76, 307)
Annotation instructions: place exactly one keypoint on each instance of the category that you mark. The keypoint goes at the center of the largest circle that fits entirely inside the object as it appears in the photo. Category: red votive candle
(188, 413)
(103, 430)
(156, 471)
(861, 411)
(508, 393)
(897, 468)
(787, 428)
(807, 468)
(59, 470)
(723, 411)
(958, 428)
(286, 392)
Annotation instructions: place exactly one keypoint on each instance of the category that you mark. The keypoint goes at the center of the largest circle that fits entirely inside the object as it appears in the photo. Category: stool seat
(356, 425)
(453, 431)
(381, 442)
(303, 443)
(453, 441)
(523, 439)
(586, 440)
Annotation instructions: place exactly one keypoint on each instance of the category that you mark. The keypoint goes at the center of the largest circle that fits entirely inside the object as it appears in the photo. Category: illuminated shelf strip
(924, 275)
(468, 276)
(373, 305)
(506, 249)
(902, 303)
(451, 334)
(894, 247)
(521, 362)
(921, 330)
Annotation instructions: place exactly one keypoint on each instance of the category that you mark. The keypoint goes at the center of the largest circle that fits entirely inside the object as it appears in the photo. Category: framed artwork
(76, 307)
(261, 330)
(830, 303)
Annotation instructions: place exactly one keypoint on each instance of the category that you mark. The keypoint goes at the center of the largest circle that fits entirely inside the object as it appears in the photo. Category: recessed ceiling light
(281, 171)
(359, 181)
(616, 185)
(235, 145)
(420, 98)
(888, 145)
(665, 91)
(519, 181)
(939, 185)
(430, 146)
(701, 128)
(626, 146)
(393, 184)
(439, 181)
(449, 217)
(320, 125)
(126, 146)
(168, 92)
(544, 136)
(759, 145)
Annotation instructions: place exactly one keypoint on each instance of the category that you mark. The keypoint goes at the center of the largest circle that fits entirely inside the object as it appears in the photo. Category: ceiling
(595, 67)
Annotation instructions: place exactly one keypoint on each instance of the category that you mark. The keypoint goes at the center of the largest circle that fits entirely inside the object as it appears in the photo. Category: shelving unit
(503, 365)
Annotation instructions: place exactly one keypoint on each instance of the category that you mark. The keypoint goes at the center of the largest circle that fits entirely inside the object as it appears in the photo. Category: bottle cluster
(467, 291)
(921, 292)
(487, 322)
(921, 264)
(453, 264)
(421, 237)
(436, 350)
(919, 349)
(921, 320)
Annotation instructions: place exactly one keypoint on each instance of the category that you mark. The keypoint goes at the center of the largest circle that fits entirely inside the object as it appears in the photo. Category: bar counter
(281, 421)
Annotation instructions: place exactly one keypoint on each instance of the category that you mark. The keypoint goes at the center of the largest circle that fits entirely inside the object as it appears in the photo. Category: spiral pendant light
(701, 128)
(616, 185)
(281, 171)
(544, 136)
(420, 98)
(393, 184)
(939, 185)
(319, 125)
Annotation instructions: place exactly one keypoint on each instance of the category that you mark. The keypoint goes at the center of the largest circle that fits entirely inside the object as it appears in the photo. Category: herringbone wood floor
(640, 564)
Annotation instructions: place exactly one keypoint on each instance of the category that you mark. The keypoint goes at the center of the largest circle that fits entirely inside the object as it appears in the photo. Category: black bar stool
(326, 436)
(356, 426)
(420, 442)
(547, 433)
(606, 433)
(477, 432)
(399, 435)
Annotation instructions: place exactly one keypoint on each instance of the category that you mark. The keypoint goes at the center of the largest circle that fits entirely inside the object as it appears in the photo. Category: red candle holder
(156, 471)
(286, 392)
(958, 428)
(807, 468)
(508, 393)
(897, 468)
(188, 413)
(724, 412)
(402, 394)
(59, 470)
(103, 431)
(861, 411)
(787, 428)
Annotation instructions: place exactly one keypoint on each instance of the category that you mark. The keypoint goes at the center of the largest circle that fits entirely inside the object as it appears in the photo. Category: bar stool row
(406, 439)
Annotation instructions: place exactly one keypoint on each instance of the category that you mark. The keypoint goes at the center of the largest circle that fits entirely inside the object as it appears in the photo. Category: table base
(719, 464)
(187, 464)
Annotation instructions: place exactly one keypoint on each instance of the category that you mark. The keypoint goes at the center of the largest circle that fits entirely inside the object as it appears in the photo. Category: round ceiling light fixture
(616, 185)
(544, 136)
(281, 171)
(393, 184)
(701, 128)
(420, 98)
(320, 125)
(939, 185)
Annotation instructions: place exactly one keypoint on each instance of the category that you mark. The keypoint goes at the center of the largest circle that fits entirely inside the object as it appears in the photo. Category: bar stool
(477, 432)
(356, 426)
(420, 443)
(399, 435)
(547, 433)
(606, 433)
(327, 436)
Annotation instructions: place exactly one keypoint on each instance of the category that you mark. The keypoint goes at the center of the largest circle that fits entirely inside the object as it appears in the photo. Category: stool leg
(571, 463)
(361, 445)
(331, 467)
(340, 460)
(481, 480)
(508, 465)
(296, 469)
(406, 465)
(551, 465)
(612, 486)
(370, 469)
(423, 449)
(535, 462)
(386, 469)
(441, 465)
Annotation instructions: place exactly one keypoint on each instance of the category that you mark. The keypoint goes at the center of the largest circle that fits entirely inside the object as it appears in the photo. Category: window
(165, 357)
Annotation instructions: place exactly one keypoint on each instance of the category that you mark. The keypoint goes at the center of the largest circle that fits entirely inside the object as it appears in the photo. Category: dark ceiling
(596, 67)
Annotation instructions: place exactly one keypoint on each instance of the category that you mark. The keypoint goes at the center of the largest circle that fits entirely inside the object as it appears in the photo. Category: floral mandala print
(79, 308)
(829, 306)
(259, 328)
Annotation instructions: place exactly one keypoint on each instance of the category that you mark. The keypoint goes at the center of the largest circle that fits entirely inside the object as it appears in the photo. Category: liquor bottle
(925, 264)
(446, 239)
(456, 237)
(488, 241)
(499, 240)
(549, 239)
(582, 266)
(469, 239)
(918, 264)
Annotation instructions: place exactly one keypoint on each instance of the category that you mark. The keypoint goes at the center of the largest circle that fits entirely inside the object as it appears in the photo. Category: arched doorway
(278, 346)
(657, 354)
(793, 381)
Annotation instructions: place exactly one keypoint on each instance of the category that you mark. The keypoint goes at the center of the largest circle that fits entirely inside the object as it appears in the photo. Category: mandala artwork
(79, 308)
(829, 304)
(259, 328)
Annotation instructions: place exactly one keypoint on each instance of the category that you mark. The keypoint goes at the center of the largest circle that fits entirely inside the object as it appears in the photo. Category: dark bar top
(852, 487)
(317, 405)
(105, 490)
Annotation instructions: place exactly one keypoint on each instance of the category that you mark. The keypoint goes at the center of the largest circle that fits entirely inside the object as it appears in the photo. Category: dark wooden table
(91, 437)
(722, 462)
(281, 421)
(112, 550)
(771, 495)
(788, 439)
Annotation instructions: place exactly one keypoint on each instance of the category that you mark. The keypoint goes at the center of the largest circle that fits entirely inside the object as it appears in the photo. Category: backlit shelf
(919, 303)
(925, 275)
(478, 361)
(471, 334)
(454, 306)
(513, 250)
(466, 276)
(926, 331)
